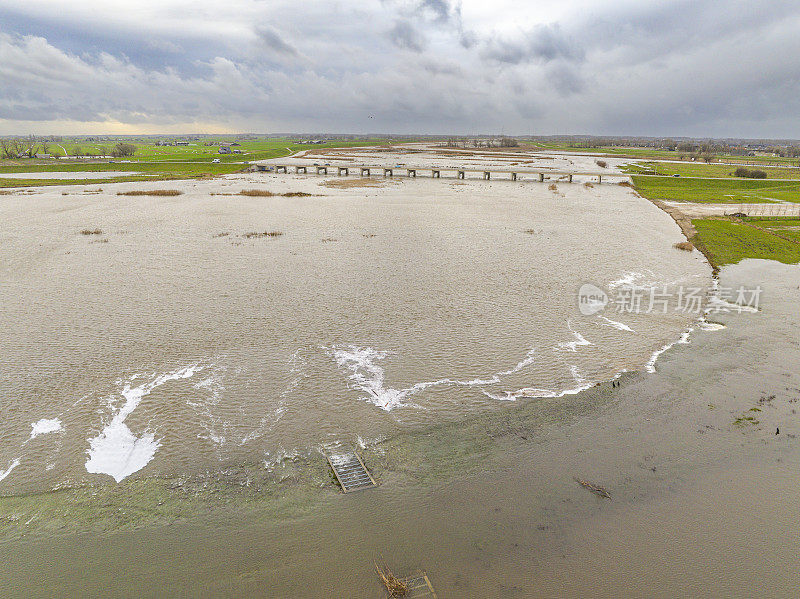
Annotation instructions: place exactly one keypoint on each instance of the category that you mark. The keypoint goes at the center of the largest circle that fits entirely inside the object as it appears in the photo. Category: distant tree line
(486, 142)
(31, 145)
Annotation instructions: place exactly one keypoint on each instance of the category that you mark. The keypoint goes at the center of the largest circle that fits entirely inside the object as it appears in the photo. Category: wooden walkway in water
(351, 472)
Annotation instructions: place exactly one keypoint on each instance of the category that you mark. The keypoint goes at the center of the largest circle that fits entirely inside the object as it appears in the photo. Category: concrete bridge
(486, 174)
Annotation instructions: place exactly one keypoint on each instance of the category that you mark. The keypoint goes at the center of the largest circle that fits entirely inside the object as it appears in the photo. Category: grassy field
(749, 191)
(785, 227)
(654, 154)
(695, 169)
(160, 162)
(730, 242)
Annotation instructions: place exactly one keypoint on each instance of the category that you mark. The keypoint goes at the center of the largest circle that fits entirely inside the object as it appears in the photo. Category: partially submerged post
(487, 175)
(435, 174)
(460, 174)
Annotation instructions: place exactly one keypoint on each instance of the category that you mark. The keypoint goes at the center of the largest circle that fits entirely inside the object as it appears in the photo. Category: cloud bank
(726, 68)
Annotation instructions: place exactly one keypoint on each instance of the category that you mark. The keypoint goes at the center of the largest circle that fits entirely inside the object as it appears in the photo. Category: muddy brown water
(478, 492)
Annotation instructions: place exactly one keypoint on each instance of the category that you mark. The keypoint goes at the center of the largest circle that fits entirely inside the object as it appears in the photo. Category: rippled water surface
(173, 342)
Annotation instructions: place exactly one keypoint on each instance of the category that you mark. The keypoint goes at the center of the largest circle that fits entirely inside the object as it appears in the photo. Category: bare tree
(29, 145)
(6, 147)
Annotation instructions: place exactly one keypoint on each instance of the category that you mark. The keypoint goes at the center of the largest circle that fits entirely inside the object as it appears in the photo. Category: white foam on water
(7, 471)
(613, 323)
(45, 426)
(651, 363)
(573, 346)
(368, 376)
(116, 451)
(705, 325)
(631, 279)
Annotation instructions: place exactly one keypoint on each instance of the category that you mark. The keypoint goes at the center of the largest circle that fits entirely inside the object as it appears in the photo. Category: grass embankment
(710, 171)
(729, 242)
(160, 163)
(749, 191)
(654, 154)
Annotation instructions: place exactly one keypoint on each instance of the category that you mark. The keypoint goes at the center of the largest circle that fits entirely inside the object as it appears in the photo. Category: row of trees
(492, 142)
(30, 146)
(14, 147)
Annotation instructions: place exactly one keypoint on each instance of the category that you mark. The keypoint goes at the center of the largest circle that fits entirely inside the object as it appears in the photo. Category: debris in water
(596, 489)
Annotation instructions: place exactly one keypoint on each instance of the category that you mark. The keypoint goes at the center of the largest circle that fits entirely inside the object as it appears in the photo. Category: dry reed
(394, 586)
(151, 192)
(255, 235)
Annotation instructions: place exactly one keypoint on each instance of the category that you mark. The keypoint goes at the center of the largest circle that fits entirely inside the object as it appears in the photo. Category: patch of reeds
(264, 193)
(91, 232)
(151, 192)
(552, 187)
(588, 184)
(258, 193)
(686, 246)
(530, 231)
(220, 235)
(625, 184)
(256, 235)
(5, 192)
(394, 586)
(601, 163)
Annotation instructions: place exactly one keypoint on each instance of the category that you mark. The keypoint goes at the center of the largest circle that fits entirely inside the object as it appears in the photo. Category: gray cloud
(542, 43)
(700, 67)
(404, 35)
(273, 41)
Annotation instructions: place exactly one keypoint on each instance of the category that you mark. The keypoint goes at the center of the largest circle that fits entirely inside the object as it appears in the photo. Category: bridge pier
(541, 177)
(300, 169)
(387, 172)
(280, 168)
(262, 168)
(460, 174)
(364, 172)
(599, 178)
(343, 170)
(513, 176)
(435, 174)
(322, 169)
(487, 175)
(570, 178)
(412, 172)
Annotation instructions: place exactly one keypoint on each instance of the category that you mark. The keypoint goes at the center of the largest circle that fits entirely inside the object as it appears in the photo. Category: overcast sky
(721, 68)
